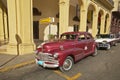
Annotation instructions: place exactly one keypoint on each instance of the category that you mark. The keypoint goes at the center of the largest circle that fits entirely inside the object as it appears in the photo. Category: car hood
(104, 39)
(57, 45)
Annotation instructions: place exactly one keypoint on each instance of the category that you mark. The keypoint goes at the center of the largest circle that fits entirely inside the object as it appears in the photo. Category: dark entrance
(36, 29)
(76, 28)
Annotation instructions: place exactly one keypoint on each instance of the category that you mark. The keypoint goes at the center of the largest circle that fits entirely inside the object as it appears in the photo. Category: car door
(81, 46)
(89, 43)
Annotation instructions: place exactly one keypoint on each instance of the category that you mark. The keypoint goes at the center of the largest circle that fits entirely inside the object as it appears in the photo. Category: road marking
(67, 77)
(76, 76)
(33, 61)
(62, 75)
(16, 66)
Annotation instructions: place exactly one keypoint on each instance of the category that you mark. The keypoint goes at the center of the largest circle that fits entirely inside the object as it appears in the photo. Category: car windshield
(68, 37)
(105, 36)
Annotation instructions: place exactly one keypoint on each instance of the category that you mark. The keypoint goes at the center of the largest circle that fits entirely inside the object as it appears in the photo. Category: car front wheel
(67, 65)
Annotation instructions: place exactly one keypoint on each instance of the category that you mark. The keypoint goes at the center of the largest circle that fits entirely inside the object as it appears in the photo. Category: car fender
(69, 52)
(94, 46)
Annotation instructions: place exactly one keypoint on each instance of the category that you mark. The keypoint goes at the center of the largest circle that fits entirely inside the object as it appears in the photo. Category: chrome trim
(54, 65)
(50, 66)
(46, 57)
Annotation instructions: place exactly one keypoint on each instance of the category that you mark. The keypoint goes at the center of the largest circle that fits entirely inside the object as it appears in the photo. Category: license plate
(40, 62)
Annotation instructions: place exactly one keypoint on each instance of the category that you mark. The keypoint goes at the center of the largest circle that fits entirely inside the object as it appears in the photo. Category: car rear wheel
(67, 65)
(115, 44)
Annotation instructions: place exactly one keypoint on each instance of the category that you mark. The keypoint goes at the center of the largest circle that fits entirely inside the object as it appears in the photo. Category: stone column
(5, 25)
(64, 15)
(102, 24)
(1, 25)
(20, 27)
(83, 20)
(108, 24)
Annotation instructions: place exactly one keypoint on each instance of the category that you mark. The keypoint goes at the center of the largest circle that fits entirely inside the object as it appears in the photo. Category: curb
(5, 69)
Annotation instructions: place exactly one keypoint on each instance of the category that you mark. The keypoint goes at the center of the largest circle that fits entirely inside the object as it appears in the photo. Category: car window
(68, 37)
(112, 36)
(88, 36)
(103, 36)
(81, 37)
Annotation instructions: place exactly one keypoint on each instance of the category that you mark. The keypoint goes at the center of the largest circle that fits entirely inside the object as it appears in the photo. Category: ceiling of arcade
(4, 3)
(73, 2)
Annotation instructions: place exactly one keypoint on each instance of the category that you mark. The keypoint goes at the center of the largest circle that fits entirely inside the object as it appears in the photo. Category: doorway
(35, 29)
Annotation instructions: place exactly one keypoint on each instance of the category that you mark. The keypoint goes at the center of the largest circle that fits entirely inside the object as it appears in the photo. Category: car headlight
(56, 55)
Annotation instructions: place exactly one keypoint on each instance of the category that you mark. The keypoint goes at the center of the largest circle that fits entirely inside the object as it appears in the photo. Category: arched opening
(42, 10)
(74, 15)
(100, 15)
(90, 13)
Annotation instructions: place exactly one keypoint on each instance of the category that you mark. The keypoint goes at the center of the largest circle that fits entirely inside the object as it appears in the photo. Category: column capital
(83, 10)
(64, 1)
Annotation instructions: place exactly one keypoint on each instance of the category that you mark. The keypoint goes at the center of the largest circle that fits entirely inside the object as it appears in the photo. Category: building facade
(20, 21)
(115, 21)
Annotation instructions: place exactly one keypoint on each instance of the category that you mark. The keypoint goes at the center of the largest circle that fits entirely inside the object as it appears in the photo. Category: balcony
(111, 2)
(108, 4)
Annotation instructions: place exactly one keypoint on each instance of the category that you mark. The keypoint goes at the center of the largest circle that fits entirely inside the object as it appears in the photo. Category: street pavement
(9, 62)
(104, 66)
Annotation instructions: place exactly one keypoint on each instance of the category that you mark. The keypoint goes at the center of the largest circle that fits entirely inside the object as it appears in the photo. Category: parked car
(118, 37)
(63, 53)
(106, 41)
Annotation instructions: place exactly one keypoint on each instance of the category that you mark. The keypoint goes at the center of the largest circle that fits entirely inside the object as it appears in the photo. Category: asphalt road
(104, 66)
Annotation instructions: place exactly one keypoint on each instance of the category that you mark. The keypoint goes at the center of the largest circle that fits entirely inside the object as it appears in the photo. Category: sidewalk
(10, 62)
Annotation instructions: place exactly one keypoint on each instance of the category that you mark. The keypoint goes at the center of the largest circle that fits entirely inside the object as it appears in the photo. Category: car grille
(46, 57)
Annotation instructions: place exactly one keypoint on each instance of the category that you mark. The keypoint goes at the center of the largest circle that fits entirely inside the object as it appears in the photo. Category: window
(88, 36)
(81, 37)
(69, 36)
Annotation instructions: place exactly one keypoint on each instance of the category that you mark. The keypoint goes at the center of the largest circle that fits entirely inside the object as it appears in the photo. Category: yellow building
(116, 5)
(20, 21)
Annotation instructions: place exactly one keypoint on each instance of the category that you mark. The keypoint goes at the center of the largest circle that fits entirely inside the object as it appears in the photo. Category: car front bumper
(102, 45)
(47, 64)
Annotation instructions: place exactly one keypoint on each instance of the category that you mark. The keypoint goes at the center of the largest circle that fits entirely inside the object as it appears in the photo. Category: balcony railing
(111, 2)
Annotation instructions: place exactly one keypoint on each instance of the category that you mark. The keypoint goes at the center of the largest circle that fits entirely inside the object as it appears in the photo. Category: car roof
(75, 33)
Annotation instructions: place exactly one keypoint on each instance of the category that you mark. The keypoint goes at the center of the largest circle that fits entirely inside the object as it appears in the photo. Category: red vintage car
(63, 53)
